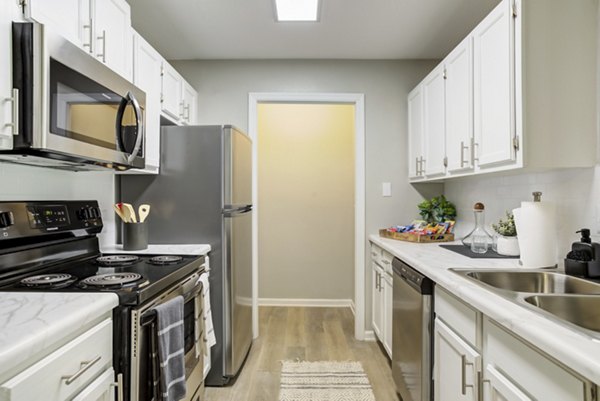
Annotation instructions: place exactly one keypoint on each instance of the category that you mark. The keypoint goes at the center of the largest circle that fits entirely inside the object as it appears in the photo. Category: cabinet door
(69, 18)
(493, 69)
(388, 296)
(500, 388)
(415, 132)
(172, 98)
(112, 20)
(459, 106)
(456, 366)
(101, 389)
(7, 10)
(377, 307)
(147, 64)
(190, 103)
(434, 123)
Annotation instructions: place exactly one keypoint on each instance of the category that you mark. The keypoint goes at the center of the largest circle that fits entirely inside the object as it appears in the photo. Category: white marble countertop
(32, 325)
(154, 249)
(571, 347)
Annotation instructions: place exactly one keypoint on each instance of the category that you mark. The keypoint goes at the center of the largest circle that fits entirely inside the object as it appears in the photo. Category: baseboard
(370, 335)
(301, 302)
(353, 307)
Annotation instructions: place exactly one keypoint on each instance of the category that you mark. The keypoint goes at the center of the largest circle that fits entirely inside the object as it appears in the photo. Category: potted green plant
(506, 241)
(437, 210)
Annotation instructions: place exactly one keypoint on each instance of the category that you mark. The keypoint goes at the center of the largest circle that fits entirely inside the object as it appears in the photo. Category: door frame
(358, 100)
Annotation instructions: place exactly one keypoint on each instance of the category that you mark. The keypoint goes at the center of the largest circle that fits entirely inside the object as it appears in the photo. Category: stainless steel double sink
(558, 296)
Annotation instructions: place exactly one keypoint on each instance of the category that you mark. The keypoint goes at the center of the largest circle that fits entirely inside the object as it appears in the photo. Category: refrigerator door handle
(230, 212)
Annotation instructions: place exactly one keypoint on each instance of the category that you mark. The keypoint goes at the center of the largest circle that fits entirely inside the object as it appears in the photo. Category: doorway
(309, 200)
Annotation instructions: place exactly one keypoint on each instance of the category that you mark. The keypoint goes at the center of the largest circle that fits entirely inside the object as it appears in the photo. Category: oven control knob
(7, 219)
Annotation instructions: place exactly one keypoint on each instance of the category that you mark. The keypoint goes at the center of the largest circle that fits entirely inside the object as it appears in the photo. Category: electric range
(53, 246)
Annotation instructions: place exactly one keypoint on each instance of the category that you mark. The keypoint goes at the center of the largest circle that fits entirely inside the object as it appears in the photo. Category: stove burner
(117, 260)
(111, 279)
(48, 280)
(165, 259)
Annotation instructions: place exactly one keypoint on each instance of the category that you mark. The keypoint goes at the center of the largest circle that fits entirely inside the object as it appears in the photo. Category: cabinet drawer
(456, 314)
(376, 254)
(65, 372)
(386, 261)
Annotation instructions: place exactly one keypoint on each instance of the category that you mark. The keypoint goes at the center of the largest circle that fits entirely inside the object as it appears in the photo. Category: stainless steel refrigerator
(203, 194)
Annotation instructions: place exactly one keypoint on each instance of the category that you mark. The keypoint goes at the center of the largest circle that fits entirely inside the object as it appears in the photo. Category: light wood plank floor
(311, 334)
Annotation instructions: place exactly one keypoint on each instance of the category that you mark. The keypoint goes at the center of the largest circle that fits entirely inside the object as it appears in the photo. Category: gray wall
(223, 88)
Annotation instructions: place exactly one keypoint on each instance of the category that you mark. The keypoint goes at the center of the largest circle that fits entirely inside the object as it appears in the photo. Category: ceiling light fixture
(297, 10)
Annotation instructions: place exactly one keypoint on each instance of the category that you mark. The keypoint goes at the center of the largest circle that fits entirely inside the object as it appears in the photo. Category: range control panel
(30, 219)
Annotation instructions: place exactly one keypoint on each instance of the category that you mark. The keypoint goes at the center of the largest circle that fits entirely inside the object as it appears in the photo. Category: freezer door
(237, 169)
(237, 286)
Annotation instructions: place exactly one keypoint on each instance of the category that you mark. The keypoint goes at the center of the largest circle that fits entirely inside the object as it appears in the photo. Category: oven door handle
(150, 316)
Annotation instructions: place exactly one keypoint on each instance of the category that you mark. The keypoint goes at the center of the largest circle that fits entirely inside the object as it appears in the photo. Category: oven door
(144, 379)
(73, 106)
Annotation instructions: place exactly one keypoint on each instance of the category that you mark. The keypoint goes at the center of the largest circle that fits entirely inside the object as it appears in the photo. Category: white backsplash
(19, 182)
(576, 193)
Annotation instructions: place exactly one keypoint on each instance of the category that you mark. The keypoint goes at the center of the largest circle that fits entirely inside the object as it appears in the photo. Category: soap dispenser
(584, 258)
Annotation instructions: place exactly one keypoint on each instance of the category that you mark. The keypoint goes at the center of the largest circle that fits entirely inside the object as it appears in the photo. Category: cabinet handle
(85, 366)
(464, 363)
(187, 112)
(417, 166)
(181, 108)
(103, 54)
(473, 152)
(378, 282)
(119, 386)
(89, 26)
(423, 161)
(15, 111)
(462, 154)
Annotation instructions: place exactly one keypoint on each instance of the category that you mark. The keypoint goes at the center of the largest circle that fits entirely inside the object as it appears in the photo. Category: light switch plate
(386, 189)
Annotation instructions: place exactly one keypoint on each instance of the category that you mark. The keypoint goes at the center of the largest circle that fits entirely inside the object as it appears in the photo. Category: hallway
(312, 334)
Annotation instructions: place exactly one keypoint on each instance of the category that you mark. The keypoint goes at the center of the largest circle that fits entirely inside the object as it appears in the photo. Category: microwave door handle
(140, 127)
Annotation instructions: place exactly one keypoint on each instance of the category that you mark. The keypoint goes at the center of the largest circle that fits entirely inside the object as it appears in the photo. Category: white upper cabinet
(112, 38)
(69, 18)
(100, 27)
(520, 92)
(8, 116)
(493, 80)
(172, 92)
(459, 107)
(415, 133)
(190, 104)
(147, 64)
(434, 123)
(179, 100)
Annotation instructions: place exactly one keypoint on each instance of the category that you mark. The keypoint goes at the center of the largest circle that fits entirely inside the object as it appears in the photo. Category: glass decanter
(479, 240)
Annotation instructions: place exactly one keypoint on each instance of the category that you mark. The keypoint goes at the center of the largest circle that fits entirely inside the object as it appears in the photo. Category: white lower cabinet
(476, 359)
(101, 389)
(526, 374)
(377, 305)
(69, 371)
(500, 388)
(456, 368)
(382, 297)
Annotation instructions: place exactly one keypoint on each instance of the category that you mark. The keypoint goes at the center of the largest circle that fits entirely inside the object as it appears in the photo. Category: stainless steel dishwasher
(412, 339)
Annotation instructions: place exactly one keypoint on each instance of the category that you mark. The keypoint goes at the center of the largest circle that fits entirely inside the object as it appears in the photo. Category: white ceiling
(348, 29)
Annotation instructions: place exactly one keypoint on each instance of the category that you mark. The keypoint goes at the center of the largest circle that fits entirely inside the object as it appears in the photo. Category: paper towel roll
(536, 230)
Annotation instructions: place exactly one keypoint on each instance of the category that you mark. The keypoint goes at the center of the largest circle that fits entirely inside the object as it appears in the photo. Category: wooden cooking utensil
(143, 212)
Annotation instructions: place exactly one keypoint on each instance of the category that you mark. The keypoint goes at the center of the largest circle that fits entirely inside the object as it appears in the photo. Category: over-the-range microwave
(73, 112)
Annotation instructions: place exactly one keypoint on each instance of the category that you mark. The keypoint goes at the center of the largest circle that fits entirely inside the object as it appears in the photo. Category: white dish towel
(208, 322)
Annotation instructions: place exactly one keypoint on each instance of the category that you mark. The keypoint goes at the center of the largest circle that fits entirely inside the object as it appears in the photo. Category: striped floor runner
(324, 381)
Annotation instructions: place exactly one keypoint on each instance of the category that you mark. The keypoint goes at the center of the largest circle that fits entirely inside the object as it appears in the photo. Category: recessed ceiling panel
(347, 29)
